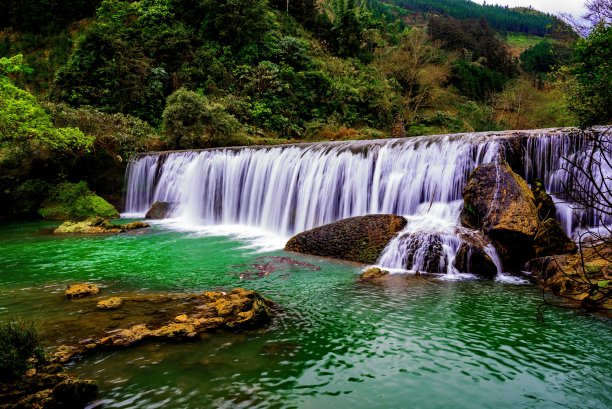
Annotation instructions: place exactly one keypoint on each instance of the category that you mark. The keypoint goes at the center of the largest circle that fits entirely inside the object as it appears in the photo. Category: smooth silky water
(333, 342)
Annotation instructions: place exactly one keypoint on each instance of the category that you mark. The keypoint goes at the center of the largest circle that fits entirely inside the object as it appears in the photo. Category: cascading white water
(289, 189)
(294, 188)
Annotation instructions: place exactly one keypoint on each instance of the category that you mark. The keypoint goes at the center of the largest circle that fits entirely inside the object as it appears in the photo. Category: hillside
(501, 18)
(83, 91)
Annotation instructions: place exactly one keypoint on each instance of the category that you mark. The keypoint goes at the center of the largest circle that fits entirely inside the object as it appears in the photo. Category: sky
(574, 7)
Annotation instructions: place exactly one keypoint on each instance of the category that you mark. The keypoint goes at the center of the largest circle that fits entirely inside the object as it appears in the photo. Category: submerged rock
(174, 317)
(159, 210)
(361, 239)
(81, 290)
(97, 225)
(110, 304)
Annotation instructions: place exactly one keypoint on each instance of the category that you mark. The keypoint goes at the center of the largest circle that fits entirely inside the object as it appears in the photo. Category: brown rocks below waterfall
(361, 239)
(159, 210)
(585, 277)
(472, 257)
(499, 202)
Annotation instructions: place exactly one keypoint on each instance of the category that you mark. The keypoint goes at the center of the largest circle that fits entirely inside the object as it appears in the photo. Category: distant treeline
(500, 18)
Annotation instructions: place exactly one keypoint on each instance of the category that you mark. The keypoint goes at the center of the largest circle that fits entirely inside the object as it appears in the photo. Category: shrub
(75, 201)
(19, 341)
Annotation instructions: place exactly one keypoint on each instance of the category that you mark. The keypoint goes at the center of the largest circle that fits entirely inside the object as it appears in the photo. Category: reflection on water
(334, 342)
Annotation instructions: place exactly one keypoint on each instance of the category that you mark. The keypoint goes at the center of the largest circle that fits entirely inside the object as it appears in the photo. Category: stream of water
(333, 342)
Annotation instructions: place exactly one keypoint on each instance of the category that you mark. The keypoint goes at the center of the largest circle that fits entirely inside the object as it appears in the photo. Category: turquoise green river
(333, 342)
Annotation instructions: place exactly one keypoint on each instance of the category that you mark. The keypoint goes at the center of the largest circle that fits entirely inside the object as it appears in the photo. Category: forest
(88, 84)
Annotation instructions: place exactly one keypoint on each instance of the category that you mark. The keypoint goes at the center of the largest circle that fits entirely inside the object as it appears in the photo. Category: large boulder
(159, 210)
(500, 203)
(361, 239)
(472, 257)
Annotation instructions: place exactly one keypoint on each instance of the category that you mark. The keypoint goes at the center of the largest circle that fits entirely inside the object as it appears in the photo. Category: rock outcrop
(499, 202)
(472, 257)
(159, 210)
(170, 317)
(585, 277)
(81, 290)
(97, 225)
(110, 303)
(47, 387)
(373, 274)
(361, 239)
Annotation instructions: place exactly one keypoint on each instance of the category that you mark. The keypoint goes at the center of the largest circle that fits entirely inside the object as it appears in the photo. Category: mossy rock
(74, 201)
(361, 239)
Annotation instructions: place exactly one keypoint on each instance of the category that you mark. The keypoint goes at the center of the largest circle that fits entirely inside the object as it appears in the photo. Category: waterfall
(292, 188)
(289, 189)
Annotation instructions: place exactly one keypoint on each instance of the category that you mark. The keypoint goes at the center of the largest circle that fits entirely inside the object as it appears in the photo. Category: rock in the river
(373, 274)
(520, 224)
(81, 290)
(360, 239)
(174, 317)
(110, 304)
(159, 210)
(471, 256)
(97, 225)
(500, 203)
(47, 387)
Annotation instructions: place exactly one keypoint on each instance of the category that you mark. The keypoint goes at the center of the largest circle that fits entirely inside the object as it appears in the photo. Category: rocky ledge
(584, 278)
(172, 316)
(361, 239)
(47, 386)
(97, 225)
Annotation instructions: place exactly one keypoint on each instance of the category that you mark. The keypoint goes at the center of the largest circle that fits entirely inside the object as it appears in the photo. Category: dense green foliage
(175, 74)
(44, 15)
(190, 120)
(74, 201)
(544, 57)
(19, 341)
(591, 86)
(501, 18)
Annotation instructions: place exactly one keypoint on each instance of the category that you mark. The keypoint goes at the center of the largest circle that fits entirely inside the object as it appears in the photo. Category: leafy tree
(544, 57)
(190, 120)
(24, 124)
(590, 78)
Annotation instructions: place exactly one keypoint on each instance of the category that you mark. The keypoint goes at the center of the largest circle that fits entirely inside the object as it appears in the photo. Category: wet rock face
(472, 258)
(81, 290)
(500, 203)
(159, 210)
(518, 220)
(361, 239)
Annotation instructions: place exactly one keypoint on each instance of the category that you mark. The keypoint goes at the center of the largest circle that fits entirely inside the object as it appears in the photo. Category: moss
(75, 201)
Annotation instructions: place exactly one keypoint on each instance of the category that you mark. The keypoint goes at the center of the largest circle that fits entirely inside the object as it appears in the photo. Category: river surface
(333, 342)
